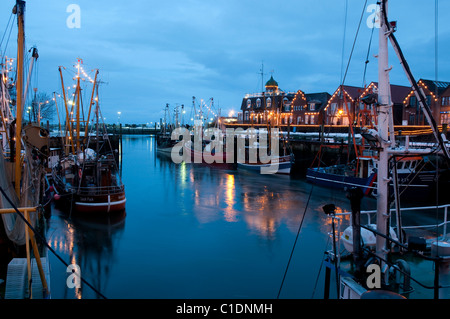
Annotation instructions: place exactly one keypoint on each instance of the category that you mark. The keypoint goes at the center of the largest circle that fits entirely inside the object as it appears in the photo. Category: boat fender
(56, 197)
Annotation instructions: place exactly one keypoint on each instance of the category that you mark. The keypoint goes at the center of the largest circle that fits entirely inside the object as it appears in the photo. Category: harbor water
(192, 231)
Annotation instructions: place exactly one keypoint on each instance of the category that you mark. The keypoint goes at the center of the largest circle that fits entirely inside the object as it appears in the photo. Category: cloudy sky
(150, 53)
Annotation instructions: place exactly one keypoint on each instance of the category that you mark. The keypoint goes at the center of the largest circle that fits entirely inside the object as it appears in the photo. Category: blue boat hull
(320, 177)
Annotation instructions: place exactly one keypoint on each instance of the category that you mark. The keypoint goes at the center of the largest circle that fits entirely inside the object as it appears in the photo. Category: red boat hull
(100, 203)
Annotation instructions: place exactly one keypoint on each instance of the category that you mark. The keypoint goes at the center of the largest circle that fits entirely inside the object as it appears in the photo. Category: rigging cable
(354, 42)
(6, 30)
(295, 241)
(418, 92)
(42, 239)
(368, 52)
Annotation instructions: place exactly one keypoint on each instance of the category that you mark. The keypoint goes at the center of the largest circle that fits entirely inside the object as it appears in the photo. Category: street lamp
(118, 116)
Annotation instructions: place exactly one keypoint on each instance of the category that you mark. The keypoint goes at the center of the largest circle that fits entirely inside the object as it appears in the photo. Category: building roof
(321, 97)
(434, 86)
(353, 91)
(271, 82)
(398, 92)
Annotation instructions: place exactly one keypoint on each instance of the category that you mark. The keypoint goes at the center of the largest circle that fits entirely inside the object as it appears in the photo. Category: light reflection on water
(192, 231)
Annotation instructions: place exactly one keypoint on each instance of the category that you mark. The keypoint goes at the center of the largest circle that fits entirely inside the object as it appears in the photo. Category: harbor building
(437, 93)
(273, 105)
(308, 108)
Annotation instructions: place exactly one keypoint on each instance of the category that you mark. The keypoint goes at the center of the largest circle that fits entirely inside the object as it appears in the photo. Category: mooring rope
(44, 241)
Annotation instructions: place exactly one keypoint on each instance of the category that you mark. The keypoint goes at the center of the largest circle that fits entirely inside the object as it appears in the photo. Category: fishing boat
(164, 142)
(416, 175)
(385, 258)
(88, 178)
(278, 164)
(23, 154)
(259, 156)
(360, 172)
(209, 153)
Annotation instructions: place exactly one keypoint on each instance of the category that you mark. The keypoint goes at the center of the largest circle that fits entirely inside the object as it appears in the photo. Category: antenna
(262, 76)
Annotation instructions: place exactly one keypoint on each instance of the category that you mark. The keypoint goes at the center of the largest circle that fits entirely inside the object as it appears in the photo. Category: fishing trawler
(87, 178)
(360, 172)
(23, 155)
(386, 258)
(279, 163)
(164, 140)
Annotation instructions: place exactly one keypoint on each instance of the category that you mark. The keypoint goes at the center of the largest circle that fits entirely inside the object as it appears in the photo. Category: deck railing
(422, 208)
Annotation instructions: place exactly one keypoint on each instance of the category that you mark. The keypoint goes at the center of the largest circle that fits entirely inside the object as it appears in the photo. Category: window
(269, 102)
(246, 116)
(306, 119)
(258, 103)
(333, 107)
(312, 106)
(413, 101)
(249, 103)
(445, 100)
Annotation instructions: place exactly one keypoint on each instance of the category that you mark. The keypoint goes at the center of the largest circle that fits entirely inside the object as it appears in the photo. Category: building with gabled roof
(413, 114)
(340, 108)
(366, 114)
(307, 108)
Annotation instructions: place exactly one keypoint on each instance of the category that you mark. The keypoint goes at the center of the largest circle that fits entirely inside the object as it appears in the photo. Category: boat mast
(90, 105)
(77, 93)
(68, 128)
(384, 105)
(20, 11)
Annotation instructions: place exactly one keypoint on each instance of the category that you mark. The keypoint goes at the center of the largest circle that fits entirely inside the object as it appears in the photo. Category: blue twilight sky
(150, 53)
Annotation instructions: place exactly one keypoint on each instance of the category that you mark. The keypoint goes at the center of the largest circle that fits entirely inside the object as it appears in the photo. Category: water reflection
(262, 202)
(90, 243)
(193, 231)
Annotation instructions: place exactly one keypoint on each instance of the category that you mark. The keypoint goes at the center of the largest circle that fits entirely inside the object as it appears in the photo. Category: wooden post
(27, 245)
(36, 256)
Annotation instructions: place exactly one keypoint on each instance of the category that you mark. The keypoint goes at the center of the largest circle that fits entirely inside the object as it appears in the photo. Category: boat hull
(219, 159)
(284, 165)
(320, 177)
(100, 203)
